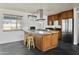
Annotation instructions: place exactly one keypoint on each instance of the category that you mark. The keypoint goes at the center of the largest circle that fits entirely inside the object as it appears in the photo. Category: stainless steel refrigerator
(67, 30)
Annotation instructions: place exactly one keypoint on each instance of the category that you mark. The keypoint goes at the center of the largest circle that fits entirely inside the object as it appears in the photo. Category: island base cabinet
(38, 42)
(46, 42)
(54, 39)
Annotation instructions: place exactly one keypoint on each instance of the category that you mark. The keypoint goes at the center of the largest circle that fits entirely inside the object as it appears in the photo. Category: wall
(76, 27)
(38, 24)
(11, 36)
(31, 22)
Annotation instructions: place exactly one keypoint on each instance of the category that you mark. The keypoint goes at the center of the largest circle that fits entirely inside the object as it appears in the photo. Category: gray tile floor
(17, 48)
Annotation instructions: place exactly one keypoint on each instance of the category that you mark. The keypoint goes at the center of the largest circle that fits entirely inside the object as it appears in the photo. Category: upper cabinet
(49, 20)
(52, 18)
(70, 14)
(56, 17)
(63, 15)
(67, 14)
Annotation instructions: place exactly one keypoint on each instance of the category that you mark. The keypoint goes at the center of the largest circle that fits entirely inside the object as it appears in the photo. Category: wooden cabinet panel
(63, 15)
(46, 42)
(43, 42)
(59, 18)
(49, 20)
(38, 41)
(54, 40)
(56, 17)
(53, 17)
(70, 14)
(59, 35)
(67, 14)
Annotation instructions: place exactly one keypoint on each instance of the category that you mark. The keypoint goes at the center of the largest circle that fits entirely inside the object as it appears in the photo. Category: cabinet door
(49, 20)
(70, 14)
(56, 17)
(54, 40)
(59, 18)
(46, 42)
(67, 14)
(64, 15)
(38, 42)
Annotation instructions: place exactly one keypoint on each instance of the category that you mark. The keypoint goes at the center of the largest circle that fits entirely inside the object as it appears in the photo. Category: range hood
(40, 11)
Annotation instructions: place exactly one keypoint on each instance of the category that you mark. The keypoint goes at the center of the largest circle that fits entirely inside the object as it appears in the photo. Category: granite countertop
(41, 31)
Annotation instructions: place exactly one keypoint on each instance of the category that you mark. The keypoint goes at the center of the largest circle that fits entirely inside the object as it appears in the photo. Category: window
(11, 22)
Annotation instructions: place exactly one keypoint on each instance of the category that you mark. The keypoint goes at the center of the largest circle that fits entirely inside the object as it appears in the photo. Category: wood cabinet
(49, 20)
(59, 19)
(63, 15)
(53, 18)
(38, 41)
(67, 14)
(47, 41)
(70, 14)
(42, 42)
(56, 17)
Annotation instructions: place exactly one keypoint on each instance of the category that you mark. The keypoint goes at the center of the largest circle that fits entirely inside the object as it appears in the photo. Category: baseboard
(11, 41)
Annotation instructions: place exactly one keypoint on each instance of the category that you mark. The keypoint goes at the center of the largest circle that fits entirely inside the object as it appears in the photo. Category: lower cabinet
(46, 42)
(38, 42)
(54, 40)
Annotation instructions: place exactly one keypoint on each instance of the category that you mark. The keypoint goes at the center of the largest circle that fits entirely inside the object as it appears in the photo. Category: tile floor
(17, 48)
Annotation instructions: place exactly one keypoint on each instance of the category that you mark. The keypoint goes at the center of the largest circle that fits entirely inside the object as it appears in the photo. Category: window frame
(17, 29)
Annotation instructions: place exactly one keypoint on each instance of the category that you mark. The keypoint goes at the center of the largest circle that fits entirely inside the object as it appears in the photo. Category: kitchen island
(44, 39)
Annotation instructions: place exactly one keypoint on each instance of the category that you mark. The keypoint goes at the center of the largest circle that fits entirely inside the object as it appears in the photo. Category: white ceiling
(49, 8)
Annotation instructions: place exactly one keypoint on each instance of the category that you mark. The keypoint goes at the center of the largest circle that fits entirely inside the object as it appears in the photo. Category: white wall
(10, 36)
(37, 24)
(76, 27)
